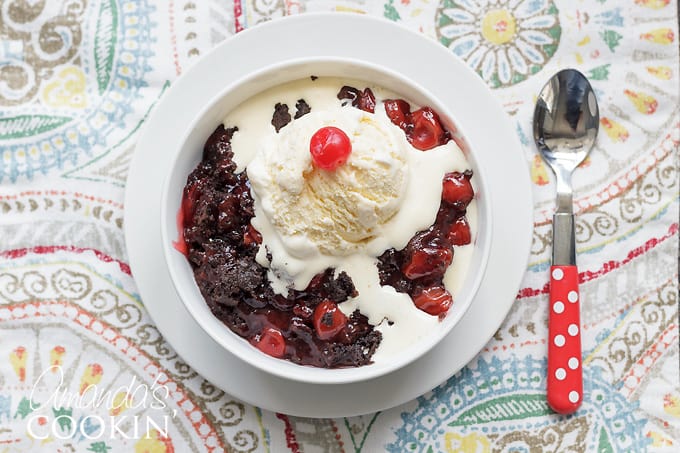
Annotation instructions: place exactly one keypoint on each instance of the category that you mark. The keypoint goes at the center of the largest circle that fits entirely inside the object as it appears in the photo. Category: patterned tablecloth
(78, 78)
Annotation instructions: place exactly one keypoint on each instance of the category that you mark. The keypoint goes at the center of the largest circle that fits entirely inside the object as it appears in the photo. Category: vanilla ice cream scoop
(333, 212)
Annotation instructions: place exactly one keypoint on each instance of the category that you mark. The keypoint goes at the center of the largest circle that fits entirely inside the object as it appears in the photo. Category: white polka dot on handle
(574, 396)
(573, 363)
(572, 296)
(559, 340)
(558, 307)
(560, 374)
(557, 274)
(572, 329)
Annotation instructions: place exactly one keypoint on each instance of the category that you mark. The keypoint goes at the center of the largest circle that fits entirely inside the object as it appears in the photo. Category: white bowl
(188, 153)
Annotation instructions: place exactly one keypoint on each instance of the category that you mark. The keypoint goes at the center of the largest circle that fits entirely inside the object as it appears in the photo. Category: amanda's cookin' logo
(95, 413)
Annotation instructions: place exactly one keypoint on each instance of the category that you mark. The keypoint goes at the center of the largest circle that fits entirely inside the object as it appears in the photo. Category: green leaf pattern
(611, 38)
(503, 408)
(105, 43)
(603, 444)
(28, 125)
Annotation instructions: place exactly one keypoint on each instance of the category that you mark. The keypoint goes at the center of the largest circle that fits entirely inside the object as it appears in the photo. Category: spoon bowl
(566, 122)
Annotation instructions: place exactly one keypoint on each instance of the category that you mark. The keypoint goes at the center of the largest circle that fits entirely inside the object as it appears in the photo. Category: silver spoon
(566, 121)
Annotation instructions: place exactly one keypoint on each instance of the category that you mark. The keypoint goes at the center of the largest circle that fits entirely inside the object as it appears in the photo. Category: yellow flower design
(18, 360)
(498, 26)
(659, 439)
(616, 132)
(91, 377)
(66, 89)
(671, 405)
(644, 103)
(120, 402)
(154, 442)
(539, 174)
(472, 443)
(661, 72)
(659, 36)
(57, 357)
(654, 4)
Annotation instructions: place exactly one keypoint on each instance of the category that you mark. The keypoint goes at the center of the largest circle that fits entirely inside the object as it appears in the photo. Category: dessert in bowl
(322, 223)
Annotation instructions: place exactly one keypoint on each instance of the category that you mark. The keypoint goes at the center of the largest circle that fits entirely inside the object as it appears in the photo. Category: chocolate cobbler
(306, 326)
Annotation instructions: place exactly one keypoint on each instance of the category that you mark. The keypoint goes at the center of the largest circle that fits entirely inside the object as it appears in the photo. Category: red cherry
(427, 261)
(251, 236)
(366, 101)
(363, 100)
(457, 189)
(427, 130)
(398, 111)
(328, 320)
(190, 196)
(271, 342)
(185, 215)
(434, 300)
(180, 244)
(330, 147)
(316, 282)
(459, 234)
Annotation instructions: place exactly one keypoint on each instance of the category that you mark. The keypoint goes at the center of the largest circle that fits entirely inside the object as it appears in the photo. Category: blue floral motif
(492, 401)
(612, 18)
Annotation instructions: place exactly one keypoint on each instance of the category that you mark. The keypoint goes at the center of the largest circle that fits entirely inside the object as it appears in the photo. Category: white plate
(487, 129)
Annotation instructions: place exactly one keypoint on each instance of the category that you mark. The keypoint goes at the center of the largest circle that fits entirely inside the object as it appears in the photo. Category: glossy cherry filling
(418, 269)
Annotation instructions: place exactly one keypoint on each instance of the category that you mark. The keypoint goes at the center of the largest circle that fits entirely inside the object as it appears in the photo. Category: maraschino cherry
(330, 148)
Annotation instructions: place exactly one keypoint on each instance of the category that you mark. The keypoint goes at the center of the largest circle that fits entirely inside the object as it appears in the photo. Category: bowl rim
(239, 346)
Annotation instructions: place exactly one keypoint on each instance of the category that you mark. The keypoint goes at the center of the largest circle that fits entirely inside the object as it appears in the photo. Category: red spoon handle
(565, 379)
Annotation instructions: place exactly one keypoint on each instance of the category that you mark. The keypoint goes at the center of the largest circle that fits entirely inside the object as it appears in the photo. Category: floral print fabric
(78, 79)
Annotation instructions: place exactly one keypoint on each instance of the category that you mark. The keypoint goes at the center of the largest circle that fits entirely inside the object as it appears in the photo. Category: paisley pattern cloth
(78, 79)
